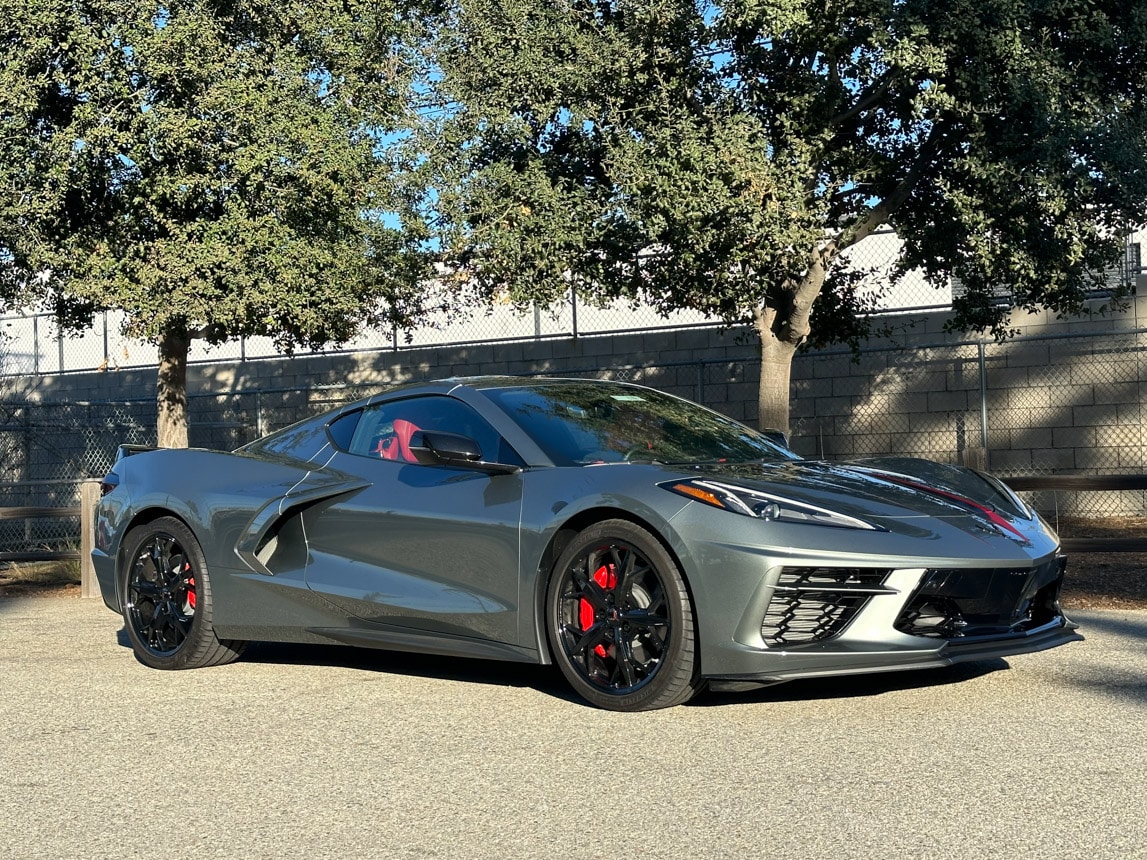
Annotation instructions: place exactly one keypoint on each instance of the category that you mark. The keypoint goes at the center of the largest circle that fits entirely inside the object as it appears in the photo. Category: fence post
(984, 408)
(89, 497)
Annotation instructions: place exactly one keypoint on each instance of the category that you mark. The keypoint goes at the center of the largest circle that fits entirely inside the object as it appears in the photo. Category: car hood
(889, 492)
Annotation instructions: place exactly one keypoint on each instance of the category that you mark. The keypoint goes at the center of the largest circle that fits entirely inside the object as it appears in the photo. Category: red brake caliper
(606, 577)
(190, 586)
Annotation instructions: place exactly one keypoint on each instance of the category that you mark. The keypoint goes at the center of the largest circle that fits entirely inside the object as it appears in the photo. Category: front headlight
(764, 506)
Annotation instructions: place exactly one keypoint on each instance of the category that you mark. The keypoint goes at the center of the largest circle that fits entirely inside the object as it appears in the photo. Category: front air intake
(811, 604)
(951, 604)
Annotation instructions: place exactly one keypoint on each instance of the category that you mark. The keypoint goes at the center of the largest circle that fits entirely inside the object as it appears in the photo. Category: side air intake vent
(811, 604)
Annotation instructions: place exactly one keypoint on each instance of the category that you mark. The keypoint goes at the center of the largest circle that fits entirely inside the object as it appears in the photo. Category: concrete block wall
(1064, 396)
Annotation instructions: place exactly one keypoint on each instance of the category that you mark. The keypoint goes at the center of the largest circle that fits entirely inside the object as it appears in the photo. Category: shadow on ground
(549, 681)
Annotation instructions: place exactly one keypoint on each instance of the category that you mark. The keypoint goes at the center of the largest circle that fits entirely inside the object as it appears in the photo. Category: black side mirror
(777, 436)
(435, 448)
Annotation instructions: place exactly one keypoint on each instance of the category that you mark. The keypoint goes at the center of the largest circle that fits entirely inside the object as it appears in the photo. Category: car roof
(487, 382)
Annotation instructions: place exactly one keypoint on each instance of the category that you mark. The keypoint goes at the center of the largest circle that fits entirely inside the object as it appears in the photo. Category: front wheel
(167, 599)
(620, 621)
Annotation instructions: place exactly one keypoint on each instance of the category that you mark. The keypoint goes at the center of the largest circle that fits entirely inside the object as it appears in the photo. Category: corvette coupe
(646, 545)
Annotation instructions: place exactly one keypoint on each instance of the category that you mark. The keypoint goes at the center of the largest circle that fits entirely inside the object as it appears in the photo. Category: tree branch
(866, 100)
(886, 208)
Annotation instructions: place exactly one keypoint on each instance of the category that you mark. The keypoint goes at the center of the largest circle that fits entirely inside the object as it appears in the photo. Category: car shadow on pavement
(549, 681)
(855, 686)
(544, 679)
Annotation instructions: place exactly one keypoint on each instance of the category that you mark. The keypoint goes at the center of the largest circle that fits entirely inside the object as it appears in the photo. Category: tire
(167, 599)
(620, 622)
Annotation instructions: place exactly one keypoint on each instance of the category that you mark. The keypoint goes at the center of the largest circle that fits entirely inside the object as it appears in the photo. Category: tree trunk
(776, 371)
(782, 328)
(171, 389)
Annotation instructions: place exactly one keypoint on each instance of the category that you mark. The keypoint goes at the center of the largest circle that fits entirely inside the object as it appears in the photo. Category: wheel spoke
(591, 639)
(625, 661)
(656, 601)
(595, 595)
(643, 618)
(144, 588)
(179, 623)
(160, 552)
(625, 575)
(170, 631)
(175, 570)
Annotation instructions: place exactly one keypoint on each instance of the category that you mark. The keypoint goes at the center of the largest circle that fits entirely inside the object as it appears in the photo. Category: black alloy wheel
(620, 620)
(166, 595)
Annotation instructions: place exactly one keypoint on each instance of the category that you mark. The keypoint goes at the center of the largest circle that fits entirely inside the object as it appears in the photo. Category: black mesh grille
(815, 603)
(952, 604)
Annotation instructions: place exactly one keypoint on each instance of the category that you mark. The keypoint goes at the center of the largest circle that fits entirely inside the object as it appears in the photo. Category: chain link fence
(1056, 405)
(33, 344)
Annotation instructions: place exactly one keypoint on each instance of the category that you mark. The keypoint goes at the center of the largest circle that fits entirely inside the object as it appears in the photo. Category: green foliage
(722, 155)
(212, 167)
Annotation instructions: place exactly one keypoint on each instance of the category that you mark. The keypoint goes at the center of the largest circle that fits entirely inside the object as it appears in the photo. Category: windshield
(588, 423)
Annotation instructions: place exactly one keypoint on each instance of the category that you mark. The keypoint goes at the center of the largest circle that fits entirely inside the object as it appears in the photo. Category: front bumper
(785, 613)
(777, 666)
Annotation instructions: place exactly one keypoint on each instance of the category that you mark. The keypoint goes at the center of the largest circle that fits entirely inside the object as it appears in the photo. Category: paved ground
(317, 752)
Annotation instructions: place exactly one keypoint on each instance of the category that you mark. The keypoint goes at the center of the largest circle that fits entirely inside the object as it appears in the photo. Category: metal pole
(36, 345)
(573, 309)
(984, 407)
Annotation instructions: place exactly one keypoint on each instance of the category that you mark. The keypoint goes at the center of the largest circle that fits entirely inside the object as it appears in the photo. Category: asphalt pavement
(330, 752)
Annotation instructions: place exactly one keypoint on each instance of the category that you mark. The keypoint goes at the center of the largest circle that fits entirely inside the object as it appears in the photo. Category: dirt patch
(40, 579)
(1105, 580)
(24, 589)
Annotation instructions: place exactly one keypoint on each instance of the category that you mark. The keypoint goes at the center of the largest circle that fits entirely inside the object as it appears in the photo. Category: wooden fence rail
(85, 510)
(1088, 483)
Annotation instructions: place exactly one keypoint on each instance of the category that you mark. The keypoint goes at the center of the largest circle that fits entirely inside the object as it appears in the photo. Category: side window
(384, 430)
(342, 429)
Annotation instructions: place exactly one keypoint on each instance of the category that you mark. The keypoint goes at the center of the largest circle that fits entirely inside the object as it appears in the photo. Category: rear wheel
(167, 599)
(620, 620)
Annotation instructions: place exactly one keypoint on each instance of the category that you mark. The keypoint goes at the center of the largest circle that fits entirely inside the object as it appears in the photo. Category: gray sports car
(647, 545)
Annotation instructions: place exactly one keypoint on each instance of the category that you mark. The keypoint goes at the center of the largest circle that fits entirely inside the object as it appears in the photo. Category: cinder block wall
(1063, 396)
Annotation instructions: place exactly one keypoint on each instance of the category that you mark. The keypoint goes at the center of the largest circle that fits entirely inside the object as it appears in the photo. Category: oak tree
(722, 155)
(214, 168)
